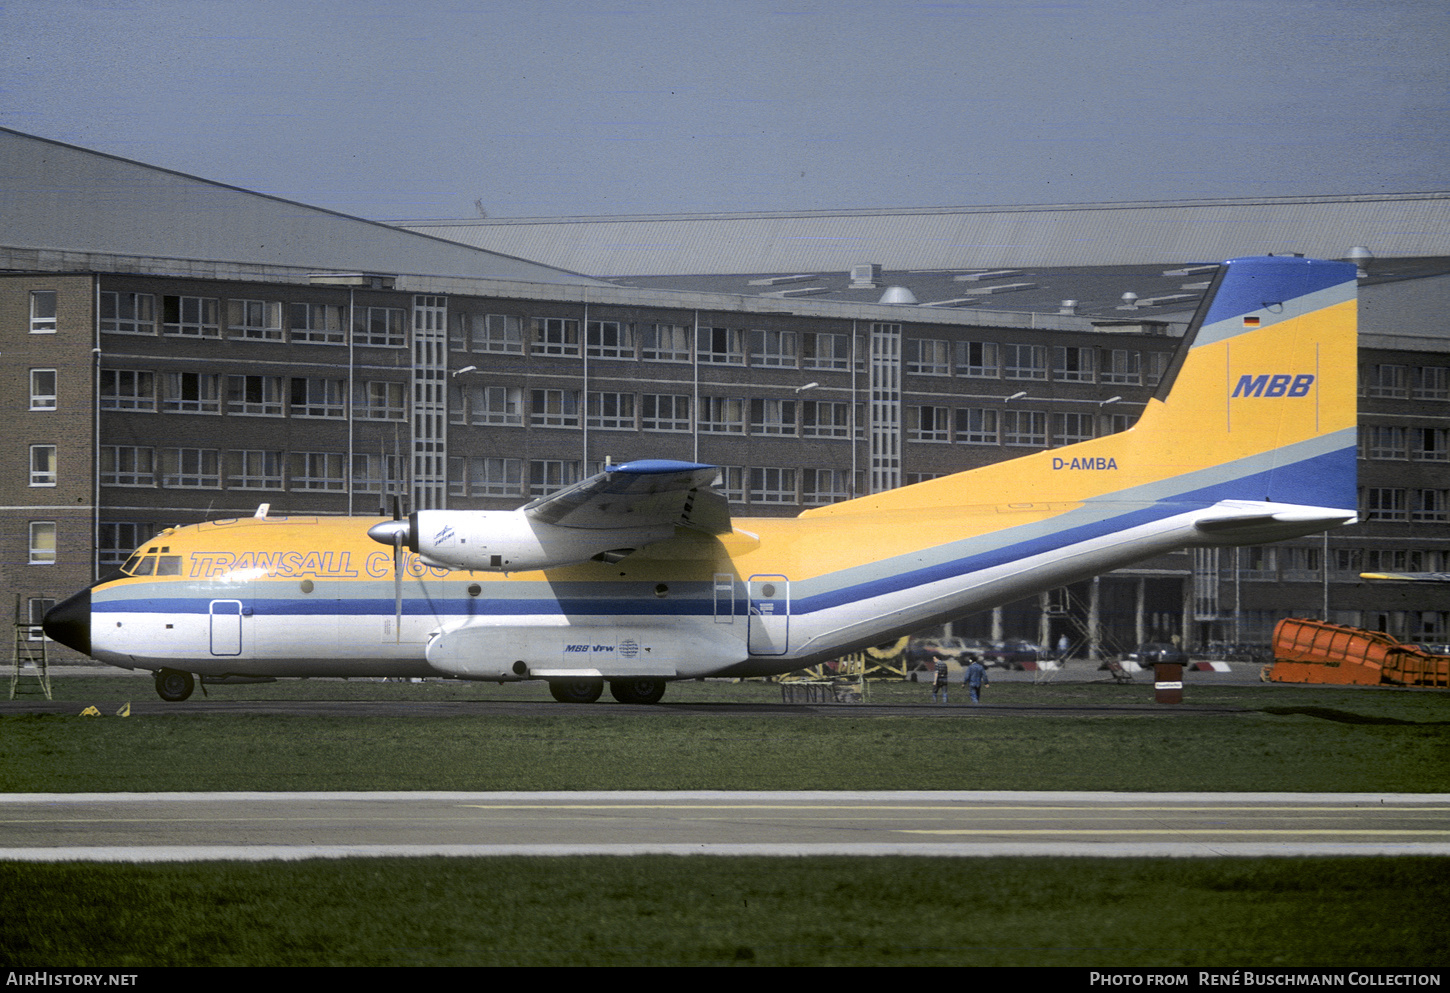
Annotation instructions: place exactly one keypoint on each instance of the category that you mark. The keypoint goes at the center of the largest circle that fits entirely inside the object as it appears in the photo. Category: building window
(257, 319)
(1433, 383)
(42, 389)
(372, 473)
(665, 412)
(1383, 503)
(1123, 367)
(42, 543)
(1391, 381)
(498, 333)
(318, 397)
(259, 396)
(497, 405)
(1430, 444)
(381, 327)
(1024, 361)
(929, 424)
(1068, 429)
(1156, 366)
(556, 336)
(1073, 365)
(1378, 441)
(191, 468)
(128, 389)
(42, 311)
(494, 477)
(722, 415)
(730, 482)
(824, 486)
(928, 357)
(254, 470)
(128, 465)
(193, 317)
(825, 419)
(721, 346)
(1024, 427)
(42, 465)
(548, 475)
(773, 349)
(128, 313)
(977, 426)
(773, 417)
(610, 340)
(978, 359)
(773, 485)
(826, 351)
(1259, 562)
(192, 393)
(382, 400)
(665, 343)
(554, 408)
(1429, 505)
(319, 323)
(318, 471)
(611, 411)
(118, 540)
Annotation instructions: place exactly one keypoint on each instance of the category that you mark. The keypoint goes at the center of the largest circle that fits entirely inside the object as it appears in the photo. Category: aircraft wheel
(576, 690)
(637, 690)
(174, 685)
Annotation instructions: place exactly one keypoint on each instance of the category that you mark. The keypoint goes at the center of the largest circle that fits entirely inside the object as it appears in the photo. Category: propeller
(396, 533)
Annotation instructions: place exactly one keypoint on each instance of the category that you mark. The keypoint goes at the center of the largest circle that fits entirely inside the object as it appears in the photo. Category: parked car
(922, 653)
(1012, 653)
(1152, 652)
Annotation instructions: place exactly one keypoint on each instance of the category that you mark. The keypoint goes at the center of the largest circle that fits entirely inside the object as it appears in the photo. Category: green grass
(710, 910)
(1260, 738)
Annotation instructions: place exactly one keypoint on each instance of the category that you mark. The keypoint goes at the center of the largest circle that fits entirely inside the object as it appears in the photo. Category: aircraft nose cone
(69, 622)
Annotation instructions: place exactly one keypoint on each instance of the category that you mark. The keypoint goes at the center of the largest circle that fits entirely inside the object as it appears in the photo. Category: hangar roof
(1171, 233)
(57, 198)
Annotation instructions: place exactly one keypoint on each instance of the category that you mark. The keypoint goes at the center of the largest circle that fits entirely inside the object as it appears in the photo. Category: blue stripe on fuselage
(1329, 467)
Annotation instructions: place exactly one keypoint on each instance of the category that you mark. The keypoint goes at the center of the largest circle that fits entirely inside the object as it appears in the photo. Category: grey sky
(387, 110)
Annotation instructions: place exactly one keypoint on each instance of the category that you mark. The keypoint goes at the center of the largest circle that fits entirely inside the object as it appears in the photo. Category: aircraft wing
(1408, 577)
(644, 493)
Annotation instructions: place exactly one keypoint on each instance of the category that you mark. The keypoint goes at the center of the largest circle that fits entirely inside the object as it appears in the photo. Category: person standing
(975, 679)
(940, 682)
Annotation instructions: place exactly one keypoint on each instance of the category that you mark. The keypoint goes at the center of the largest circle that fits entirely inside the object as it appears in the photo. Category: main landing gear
(174, 685)
(576, 690)
(585, 690)
(637, 690)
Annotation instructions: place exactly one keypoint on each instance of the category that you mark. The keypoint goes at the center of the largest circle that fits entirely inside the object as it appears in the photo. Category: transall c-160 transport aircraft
(638, 576)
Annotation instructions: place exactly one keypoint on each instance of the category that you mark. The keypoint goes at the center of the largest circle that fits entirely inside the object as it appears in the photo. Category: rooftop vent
(976, 277)
(898, 295)
(866, 276)
(1361, 257)
(1067, 307)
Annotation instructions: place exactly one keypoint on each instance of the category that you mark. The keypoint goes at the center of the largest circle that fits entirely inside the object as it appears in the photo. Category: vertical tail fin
(1264, 397)
(1258, 405)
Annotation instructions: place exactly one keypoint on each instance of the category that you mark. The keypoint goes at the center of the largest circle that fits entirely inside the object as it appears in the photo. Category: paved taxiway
(182, 826)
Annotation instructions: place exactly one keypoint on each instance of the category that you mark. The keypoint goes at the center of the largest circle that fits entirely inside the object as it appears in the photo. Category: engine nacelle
(511, 541)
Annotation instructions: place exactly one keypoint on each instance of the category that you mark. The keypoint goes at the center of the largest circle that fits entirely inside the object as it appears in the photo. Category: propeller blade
(398, 583)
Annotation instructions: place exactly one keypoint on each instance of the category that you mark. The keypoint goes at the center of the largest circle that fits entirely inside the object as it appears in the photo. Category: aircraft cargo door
(226, 627)
(769, 598)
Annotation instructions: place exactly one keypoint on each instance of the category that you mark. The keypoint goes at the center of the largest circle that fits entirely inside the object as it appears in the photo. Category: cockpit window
(149, 562)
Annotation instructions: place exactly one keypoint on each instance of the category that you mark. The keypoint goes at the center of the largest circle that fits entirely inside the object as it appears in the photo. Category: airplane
(638, 575)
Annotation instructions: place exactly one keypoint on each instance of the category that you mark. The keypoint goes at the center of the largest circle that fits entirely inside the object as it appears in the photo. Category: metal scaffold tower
(30, 658)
